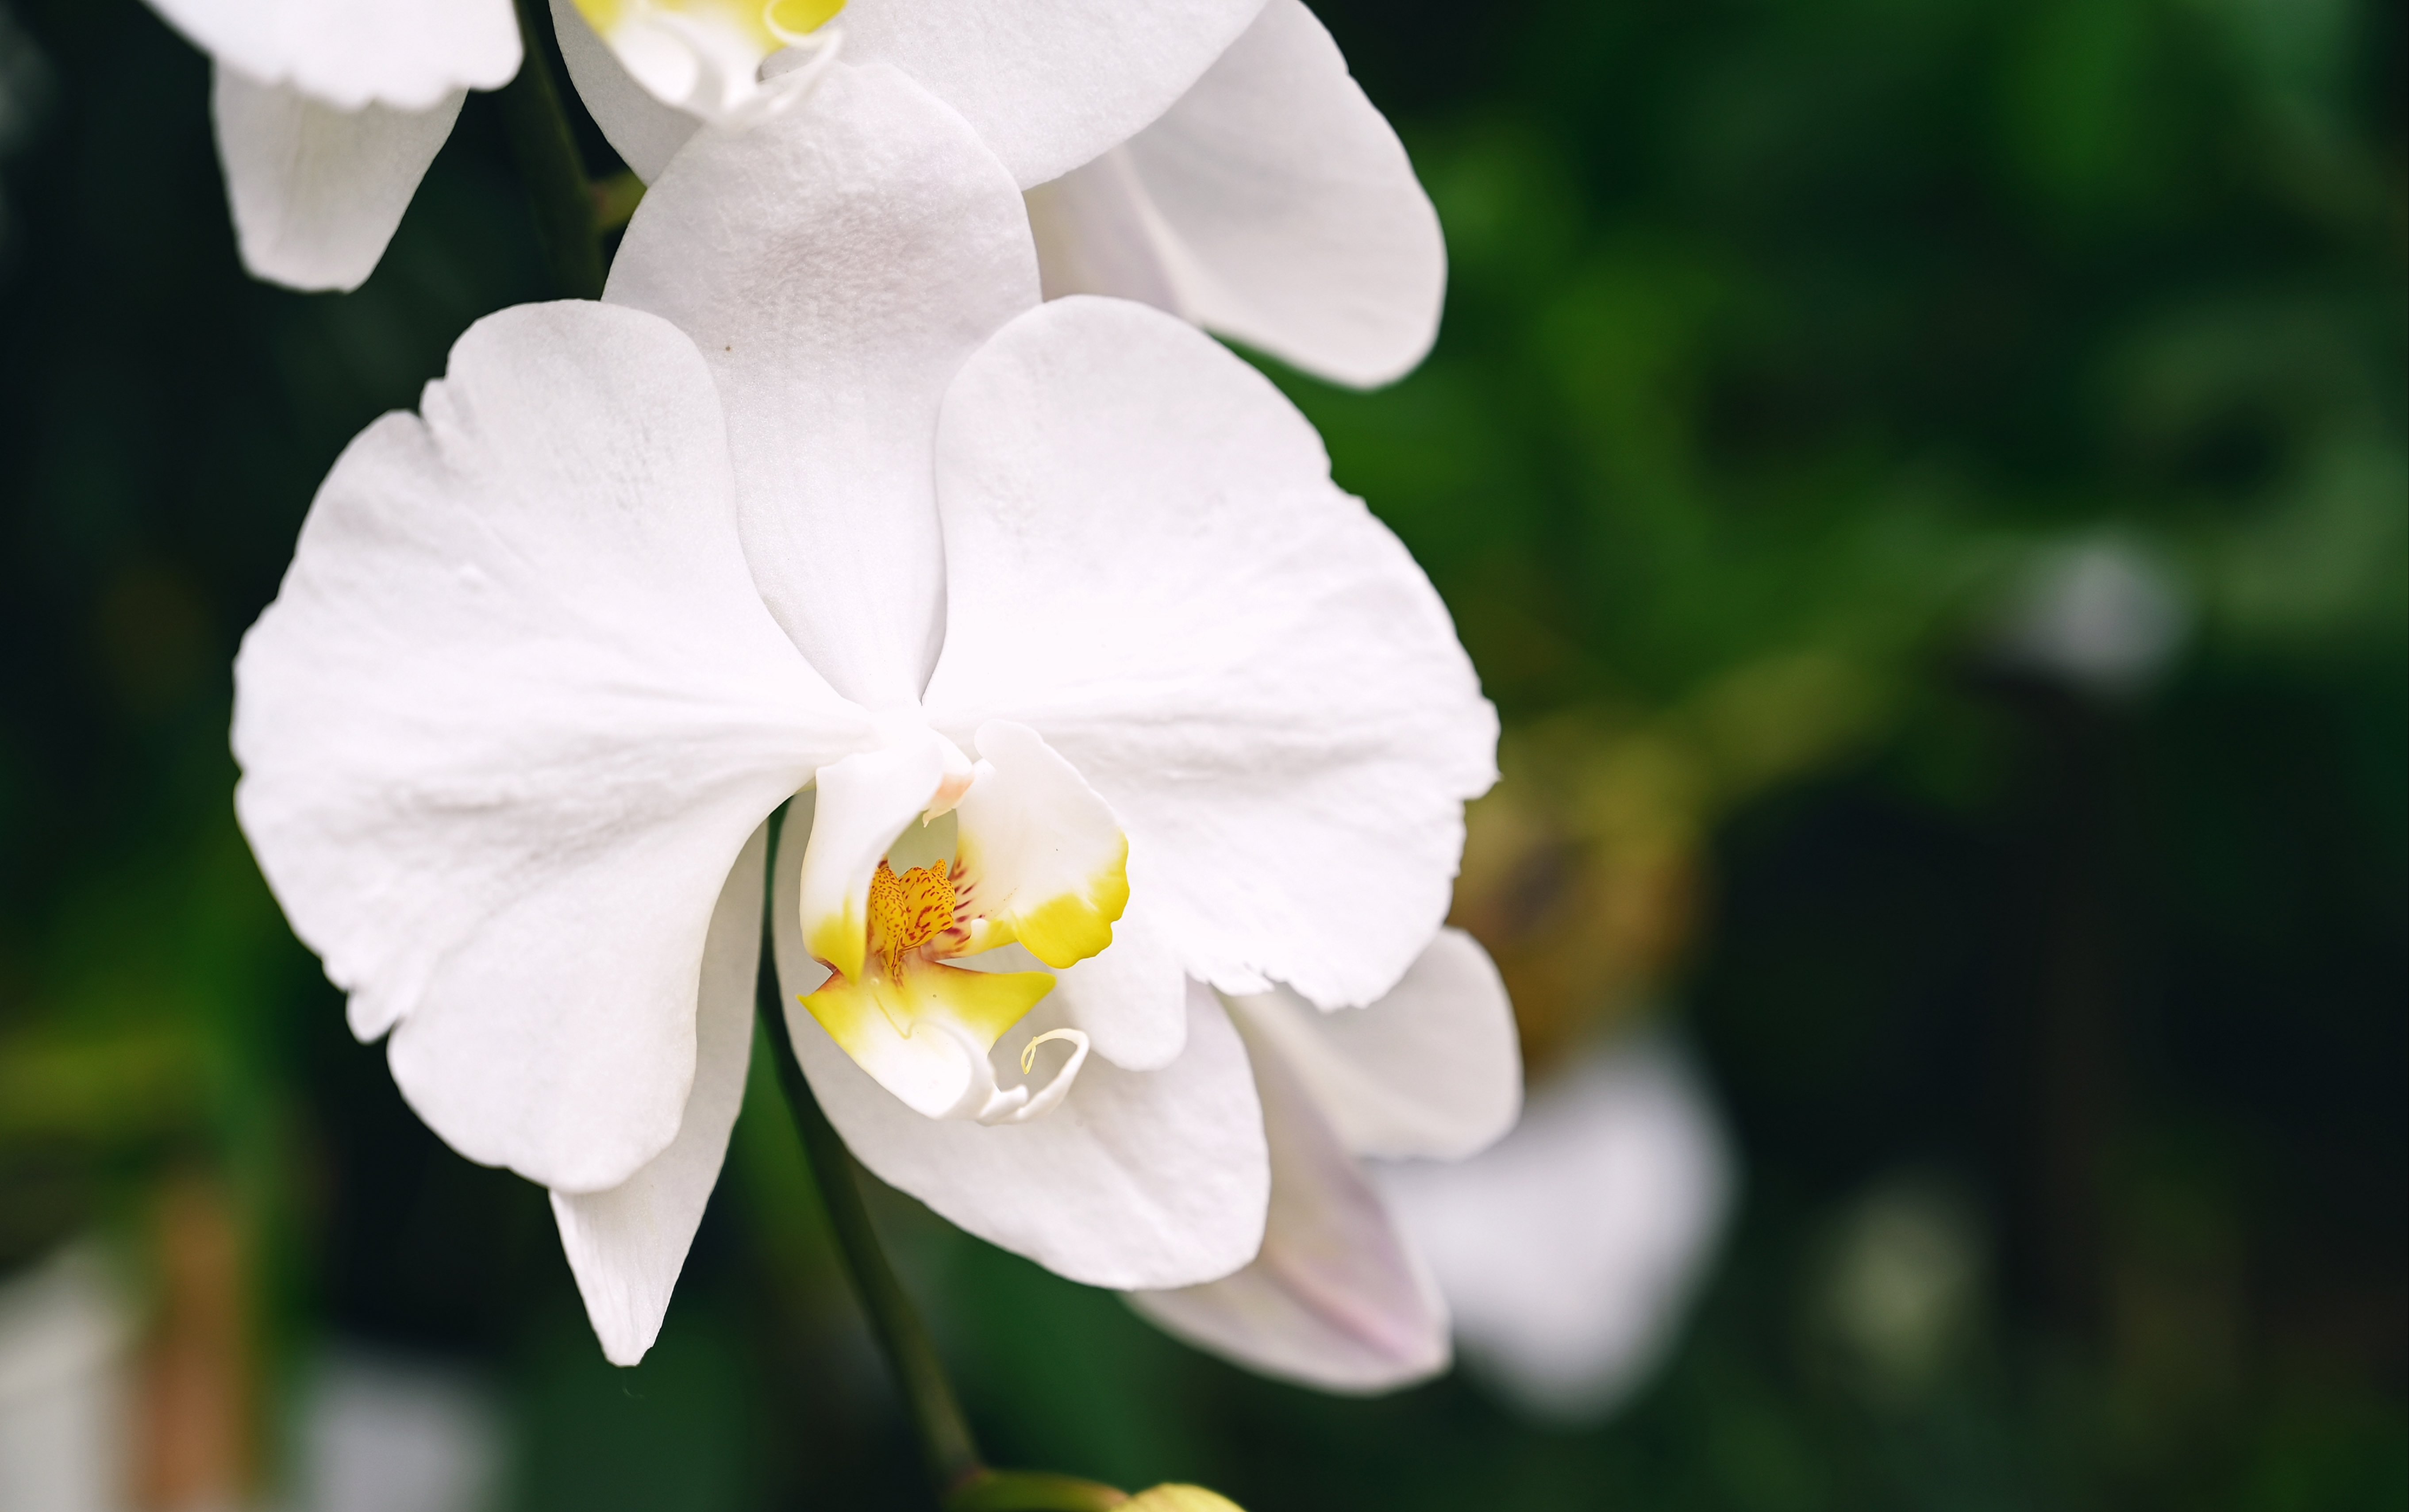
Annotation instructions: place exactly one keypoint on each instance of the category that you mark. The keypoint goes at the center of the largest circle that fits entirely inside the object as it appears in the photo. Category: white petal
(316, 191)
(836, 264)
(509, 722)
(348, 52)
(1337, 1299)
(627, 1245)
(1132, 1000)
(1148, 565)
(644, 131)
(1139, 1179)
(1277, 206)
(1050, 83)
(1097, 232)
(1570, 1250)
(1431, 1070)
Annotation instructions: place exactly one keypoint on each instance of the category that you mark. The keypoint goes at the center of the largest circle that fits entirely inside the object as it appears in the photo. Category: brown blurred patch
(197, 1427)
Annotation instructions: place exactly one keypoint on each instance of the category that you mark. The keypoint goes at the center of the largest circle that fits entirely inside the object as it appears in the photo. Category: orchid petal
(1337, 1299)
(1132, 1000)
(316, 191)
(1431, 1070)
(1050, 83)
(509, 722)
(627, 1245)
(835, 263)
(1273, 204)
(1046, 865)
(348, 53)
(1138, 1180)
(1149, 567)
(643, 130)
(1570, 1250)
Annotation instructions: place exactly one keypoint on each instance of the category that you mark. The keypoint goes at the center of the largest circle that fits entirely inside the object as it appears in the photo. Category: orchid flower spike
(1213, 158)
(1091, 696)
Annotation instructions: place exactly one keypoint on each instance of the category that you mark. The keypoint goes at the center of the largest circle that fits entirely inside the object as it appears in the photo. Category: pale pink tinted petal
(1337, 1299)
(1431, 1070)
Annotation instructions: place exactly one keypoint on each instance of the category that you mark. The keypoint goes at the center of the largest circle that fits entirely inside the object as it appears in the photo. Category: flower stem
(937, 1418)
(962, 1482)
(539, 138)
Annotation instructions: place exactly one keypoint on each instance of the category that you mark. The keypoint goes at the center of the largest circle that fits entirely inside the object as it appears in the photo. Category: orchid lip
(1011, 850)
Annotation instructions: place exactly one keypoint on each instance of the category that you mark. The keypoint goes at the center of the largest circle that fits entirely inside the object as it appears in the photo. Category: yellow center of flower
(909, 911)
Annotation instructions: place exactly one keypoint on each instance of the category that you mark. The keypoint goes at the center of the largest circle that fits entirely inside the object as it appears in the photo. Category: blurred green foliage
(1786, 342)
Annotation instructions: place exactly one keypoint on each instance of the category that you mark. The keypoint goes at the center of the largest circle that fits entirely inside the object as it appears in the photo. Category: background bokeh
(1924, 480)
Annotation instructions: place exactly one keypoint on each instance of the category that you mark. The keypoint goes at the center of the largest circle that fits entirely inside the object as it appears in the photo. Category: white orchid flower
(1263, 198)
(329, 111)
(826, 503)
(1340, 1296)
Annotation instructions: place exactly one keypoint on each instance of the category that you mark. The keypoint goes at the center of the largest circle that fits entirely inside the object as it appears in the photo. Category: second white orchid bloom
(1263, 196)
(1090, 687)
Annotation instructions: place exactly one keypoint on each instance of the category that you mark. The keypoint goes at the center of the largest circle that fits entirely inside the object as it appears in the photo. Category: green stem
(548, 162)
(944, 1436)
(962, 1481)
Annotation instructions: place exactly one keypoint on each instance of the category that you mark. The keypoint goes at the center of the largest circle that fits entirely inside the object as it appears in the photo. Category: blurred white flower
(1570, 1250)
(1339, 1298)
(1263, 198)
(860, 516)
(65, 1440)
(2104, 614)
(329, 111)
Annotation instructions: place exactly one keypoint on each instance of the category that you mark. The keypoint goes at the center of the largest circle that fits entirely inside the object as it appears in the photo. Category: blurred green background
(1799, 354)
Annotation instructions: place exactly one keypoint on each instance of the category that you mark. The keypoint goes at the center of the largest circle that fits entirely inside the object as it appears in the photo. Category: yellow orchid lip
(1036, 859)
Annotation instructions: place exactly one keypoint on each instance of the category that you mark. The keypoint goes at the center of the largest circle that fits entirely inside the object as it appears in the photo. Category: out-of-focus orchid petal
(1569, 1250)
(317, 191)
